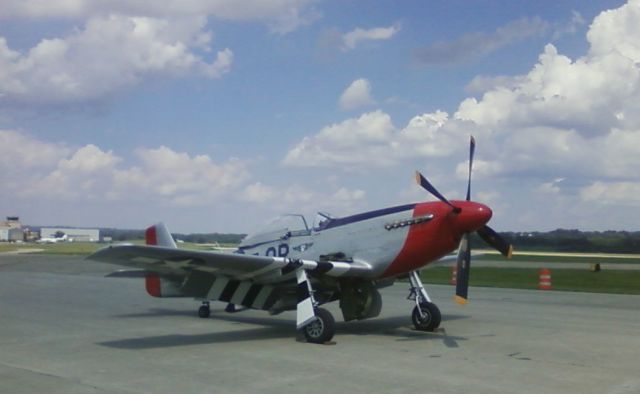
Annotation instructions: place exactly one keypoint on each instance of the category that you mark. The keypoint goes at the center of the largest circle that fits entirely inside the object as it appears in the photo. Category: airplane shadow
(275, 328)
(157, 312)
(166, 341)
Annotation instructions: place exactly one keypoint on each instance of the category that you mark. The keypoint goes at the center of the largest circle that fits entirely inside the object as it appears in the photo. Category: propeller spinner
(473, 217)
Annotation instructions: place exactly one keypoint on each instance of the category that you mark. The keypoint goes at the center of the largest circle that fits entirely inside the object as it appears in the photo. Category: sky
(216, 116)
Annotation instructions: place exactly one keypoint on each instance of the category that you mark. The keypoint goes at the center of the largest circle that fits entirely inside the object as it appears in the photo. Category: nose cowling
(472, 215)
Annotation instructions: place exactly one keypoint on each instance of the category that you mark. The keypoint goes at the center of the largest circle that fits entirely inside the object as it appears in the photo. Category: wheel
(322, 329)
(430, 319)
(204, 311)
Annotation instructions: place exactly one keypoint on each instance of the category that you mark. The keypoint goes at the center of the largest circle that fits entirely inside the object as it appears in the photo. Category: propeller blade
(422, 181)
(472, 150)
(496, 241)
(464, 266)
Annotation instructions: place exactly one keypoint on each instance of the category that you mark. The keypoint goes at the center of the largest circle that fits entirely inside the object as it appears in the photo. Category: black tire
(430, 319)
(322, 329)
(204, 311)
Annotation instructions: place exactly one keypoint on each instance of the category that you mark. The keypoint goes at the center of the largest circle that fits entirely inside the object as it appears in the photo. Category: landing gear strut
(426, 315)
(204, 310)
(317, 324)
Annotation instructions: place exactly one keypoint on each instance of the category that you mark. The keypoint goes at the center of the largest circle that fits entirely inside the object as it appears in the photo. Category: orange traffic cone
(545, 279)
(454, 274)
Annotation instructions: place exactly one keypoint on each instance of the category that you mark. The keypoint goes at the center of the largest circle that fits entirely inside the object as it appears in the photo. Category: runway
(65, 328)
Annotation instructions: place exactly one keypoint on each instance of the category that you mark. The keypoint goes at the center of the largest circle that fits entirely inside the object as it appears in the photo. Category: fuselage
(392, 241)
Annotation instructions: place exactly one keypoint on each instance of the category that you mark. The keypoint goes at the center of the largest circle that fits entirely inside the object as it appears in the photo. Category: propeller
(486, 233)
(422, 181)
(463, 268)
(494, 239)
(472, 151)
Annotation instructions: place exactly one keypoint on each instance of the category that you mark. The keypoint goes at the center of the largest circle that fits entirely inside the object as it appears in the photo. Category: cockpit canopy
(285, 226)
(280, 228)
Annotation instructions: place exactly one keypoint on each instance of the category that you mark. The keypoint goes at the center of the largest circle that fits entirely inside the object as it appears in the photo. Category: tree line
(562, 240)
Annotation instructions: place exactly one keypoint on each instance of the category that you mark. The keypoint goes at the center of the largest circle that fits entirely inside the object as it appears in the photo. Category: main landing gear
(320, 330)
(426, 315)
(317, 324)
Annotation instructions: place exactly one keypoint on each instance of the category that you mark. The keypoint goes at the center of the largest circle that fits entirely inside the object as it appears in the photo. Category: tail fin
(159, 235)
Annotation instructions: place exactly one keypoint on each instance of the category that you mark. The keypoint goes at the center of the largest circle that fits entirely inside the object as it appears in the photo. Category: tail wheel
(430, 318)
(204, 311)
(322, 329)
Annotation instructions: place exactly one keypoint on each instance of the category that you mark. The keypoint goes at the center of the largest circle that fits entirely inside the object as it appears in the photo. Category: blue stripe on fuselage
(366, 215)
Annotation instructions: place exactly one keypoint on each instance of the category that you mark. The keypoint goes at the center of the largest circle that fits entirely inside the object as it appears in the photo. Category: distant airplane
(291, 266)
(53, 240)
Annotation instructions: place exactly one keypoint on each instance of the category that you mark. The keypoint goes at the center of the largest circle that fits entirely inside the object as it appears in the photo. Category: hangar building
(73, 234)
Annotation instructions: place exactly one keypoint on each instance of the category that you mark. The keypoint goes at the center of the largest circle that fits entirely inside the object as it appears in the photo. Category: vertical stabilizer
(159, 235)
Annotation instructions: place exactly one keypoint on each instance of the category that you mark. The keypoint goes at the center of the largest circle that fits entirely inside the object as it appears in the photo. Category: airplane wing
(257, 282)
(173, 262)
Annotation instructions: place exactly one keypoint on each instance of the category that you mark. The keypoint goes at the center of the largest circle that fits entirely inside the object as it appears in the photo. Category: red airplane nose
(472, 215)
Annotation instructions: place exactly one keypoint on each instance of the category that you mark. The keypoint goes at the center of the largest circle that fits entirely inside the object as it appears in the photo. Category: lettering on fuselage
(281, 251)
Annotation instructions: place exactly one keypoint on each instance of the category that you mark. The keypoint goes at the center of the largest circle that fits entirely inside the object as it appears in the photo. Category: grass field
(621, 282)
(83, 248)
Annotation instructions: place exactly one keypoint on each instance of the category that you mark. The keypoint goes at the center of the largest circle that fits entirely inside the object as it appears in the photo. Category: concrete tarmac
(65, 328)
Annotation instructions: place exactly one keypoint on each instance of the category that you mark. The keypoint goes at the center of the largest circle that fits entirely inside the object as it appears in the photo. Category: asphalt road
(64, 328)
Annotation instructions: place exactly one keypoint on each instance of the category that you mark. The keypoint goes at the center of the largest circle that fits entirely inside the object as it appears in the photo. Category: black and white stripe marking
(305, 313)
(245, 293)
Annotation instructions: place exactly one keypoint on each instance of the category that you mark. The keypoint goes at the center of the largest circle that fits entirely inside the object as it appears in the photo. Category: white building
(10, 234)
(73, 234)
(11, 229)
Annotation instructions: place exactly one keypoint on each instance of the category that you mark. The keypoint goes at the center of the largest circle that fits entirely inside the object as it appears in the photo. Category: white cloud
(372, 140)
(617, 31)
(108, 54)
(571, 119)
(22, 153)
(298, 198)
(478, 44)
(352, 39)
(612, 193)
(282, 16)
(483, 83)
(585, 95)
(345, 195)
(571, 27)
(159, 177)
(552, 187)
(354, 141)
(179, 178)
(356, 95)
(88, 173)
(258, 193)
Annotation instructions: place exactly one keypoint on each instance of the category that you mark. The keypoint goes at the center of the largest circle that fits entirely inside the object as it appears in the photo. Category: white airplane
(52, 240)
(291, 266)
